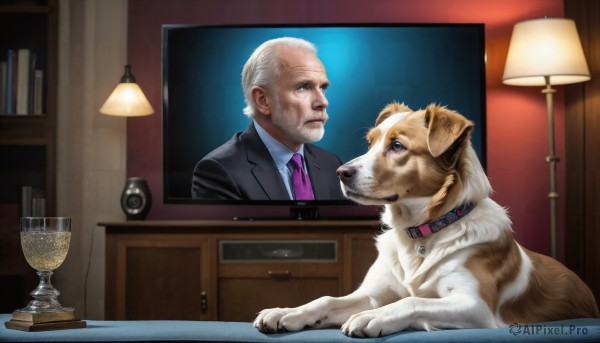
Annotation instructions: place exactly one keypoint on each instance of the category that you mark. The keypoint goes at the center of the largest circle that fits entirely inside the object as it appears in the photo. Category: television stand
(229, 270)
(304, 212)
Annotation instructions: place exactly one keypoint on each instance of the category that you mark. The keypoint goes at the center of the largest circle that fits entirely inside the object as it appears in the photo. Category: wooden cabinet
(27, 141)
(230, 270)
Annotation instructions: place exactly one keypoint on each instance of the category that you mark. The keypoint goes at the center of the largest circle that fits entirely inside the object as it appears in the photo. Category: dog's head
(423, 154)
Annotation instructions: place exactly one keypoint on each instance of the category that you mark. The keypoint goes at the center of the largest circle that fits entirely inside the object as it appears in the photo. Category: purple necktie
(302, 187)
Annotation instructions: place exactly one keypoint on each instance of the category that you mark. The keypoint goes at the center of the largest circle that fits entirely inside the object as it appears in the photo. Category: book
(38, 92)
(10, 61)
(41, 317)
(3, 87)
(23, 56)
(30, 89)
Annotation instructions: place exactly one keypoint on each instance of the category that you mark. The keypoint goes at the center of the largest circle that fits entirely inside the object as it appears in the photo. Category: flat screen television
(368, 66)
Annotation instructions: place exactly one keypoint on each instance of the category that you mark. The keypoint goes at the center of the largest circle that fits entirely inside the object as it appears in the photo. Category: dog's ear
(446, 129)
(448, 132)
(390, 109)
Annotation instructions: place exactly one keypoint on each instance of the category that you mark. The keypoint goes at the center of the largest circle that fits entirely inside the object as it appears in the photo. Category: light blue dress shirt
(281, 155)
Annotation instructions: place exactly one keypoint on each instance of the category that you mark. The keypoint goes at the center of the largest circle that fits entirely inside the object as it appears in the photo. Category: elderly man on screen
(284, 83)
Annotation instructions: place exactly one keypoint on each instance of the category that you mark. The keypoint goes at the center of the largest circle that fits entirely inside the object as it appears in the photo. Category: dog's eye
(397, 146)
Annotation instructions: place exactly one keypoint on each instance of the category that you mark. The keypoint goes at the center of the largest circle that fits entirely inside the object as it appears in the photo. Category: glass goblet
(45, 242)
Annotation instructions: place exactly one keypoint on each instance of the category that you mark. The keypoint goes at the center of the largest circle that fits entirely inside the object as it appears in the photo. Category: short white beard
(298, 134)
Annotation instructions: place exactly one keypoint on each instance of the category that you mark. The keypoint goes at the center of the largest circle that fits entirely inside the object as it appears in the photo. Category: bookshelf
(27, 140)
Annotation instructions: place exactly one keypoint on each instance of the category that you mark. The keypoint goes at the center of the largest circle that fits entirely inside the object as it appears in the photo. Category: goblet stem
(45, 296)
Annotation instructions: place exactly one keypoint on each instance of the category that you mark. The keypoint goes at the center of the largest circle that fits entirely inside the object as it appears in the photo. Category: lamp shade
(548, 47)
(127, 99)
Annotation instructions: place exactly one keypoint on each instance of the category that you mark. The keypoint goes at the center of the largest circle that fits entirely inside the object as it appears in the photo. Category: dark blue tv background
(368, 67)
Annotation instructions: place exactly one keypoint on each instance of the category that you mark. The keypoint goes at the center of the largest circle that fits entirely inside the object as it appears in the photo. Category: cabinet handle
(203, 302)
(280, 274)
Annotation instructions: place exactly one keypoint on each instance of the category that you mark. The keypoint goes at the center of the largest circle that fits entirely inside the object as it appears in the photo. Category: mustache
(324, 116)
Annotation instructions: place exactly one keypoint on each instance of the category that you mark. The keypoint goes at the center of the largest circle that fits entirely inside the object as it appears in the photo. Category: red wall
(516, 116)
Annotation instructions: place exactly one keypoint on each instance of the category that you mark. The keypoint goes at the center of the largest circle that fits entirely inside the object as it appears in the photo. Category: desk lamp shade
(548, 47)
(127, 100)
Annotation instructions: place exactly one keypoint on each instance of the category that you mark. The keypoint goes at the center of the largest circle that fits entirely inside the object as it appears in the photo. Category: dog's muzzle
(348, 176)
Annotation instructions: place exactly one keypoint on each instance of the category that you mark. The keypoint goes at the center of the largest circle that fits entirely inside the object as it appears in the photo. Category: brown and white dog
(462, 269)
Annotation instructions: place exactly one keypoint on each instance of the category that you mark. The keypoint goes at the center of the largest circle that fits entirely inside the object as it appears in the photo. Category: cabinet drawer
(241, 299)
(258, 274)
(273, 251)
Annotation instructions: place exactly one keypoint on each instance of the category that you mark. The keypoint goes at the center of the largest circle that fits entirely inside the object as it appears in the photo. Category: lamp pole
(552, 159)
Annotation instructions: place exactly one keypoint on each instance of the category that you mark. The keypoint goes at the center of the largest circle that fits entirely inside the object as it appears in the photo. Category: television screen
(368, 67)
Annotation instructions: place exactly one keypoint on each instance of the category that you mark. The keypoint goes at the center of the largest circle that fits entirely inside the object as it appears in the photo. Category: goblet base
(44, 320)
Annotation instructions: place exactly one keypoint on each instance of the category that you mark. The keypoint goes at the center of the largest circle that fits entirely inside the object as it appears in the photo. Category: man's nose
(321, 101)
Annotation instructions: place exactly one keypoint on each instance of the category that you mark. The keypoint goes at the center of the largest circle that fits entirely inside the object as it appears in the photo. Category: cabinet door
(162, 278)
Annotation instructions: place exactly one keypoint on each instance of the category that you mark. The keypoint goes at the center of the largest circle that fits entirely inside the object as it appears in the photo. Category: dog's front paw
(283, 320)
(370, 324)
(267, 320)
(358, 326)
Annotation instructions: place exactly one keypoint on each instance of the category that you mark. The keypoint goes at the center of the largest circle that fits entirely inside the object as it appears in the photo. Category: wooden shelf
(24, 9)
(29, 140)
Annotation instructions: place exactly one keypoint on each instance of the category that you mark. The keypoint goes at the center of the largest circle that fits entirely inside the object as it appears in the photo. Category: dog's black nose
(346, 172)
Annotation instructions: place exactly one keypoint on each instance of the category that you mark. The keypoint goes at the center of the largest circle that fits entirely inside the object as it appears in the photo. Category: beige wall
(91, 147)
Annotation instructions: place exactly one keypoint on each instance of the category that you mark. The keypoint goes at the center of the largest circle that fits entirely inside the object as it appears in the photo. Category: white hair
(261, 66)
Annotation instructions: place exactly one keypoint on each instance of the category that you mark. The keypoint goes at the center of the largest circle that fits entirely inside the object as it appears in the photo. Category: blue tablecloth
(579, 330)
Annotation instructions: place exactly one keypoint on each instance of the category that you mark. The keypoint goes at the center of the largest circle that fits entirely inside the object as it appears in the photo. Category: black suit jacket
(243, 169)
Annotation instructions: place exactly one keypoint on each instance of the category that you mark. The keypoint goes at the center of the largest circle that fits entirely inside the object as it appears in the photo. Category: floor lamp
(546, 52)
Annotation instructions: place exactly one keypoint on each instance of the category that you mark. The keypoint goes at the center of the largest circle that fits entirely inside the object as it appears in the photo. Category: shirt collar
(279, 152)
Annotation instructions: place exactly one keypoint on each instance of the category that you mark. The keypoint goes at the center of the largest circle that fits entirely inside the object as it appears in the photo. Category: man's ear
(261, 100)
